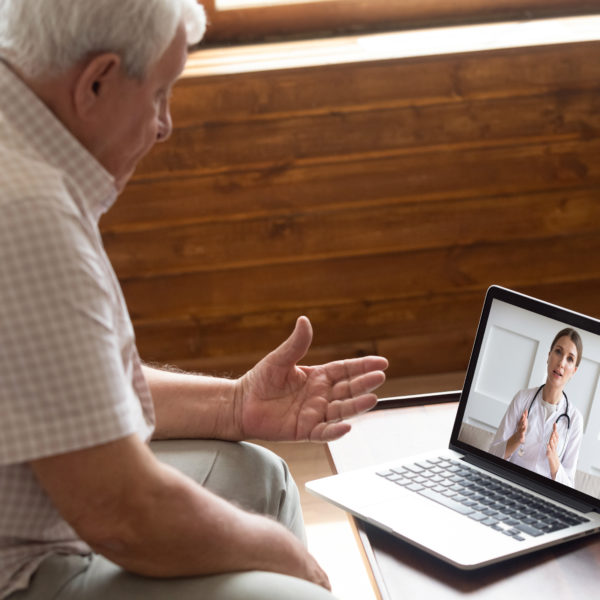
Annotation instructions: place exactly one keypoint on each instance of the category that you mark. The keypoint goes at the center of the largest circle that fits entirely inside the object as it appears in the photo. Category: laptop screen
(531, 400)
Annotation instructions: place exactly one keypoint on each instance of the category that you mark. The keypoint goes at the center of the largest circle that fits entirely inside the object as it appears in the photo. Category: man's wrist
(237, 408)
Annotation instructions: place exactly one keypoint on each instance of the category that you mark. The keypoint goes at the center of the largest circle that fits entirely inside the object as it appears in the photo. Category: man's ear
(98, 78)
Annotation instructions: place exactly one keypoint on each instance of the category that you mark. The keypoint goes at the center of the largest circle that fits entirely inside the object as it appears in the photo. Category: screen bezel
(524, 476)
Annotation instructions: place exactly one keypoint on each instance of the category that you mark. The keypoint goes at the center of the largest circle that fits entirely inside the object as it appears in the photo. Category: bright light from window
(234, 4)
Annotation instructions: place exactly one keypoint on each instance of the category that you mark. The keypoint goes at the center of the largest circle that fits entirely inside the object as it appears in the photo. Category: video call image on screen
(506, 412)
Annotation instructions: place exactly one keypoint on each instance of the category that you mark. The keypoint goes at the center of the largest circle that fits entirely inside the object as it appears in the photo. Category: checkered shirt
(70, 374)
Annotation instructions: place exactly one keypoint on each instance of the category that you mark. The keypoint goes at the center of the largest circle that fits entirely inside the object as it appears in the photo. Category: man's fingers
(296, 346)
(344, 409)
(351, 388)
(340, 370)
(327, 432)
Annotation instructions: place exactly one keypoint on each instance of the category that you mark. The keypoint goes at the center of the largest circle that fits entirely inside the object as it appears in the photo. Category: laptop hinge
(511, 476)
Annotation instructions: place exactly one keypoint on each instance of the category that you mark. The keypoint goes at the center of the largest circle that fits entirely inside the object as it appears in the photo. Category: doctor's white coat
(538, 433)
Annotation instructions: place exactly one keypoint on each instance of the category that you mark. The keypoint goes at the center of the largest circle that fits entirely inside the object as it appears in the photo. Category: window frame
(332, 17)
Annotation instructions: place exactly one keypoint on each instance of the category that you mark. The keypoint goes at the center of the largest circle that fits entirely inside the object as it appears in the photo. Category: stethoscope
(564, 415)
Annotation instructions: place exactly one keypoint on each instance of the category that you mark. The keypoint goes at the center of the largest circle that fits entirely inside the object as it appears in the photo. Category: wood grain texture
(380, 199)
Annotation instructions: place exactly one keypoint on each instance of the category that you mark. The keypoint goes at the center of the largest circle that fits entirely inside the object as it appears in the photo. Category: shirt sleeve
(62, 380)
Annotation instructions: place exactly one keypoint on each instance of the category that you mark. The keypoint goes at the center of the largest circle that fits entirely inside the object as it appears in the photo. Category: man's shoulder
(36, 201)
(24, 174)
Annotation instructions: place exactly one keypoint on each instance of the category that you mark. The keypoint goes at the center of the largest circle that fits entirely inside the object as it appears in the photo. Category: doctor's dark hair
(574, 337)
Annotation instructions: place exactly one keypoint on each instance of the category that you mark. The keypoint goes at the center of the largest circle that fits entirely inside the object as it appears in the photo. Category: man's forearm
(192, 406)
(152, 520)
(184, 530)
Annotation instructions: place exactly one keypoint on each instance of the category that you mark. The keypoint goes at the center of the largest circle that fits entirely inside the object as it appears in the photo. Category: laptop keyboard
(482, 498)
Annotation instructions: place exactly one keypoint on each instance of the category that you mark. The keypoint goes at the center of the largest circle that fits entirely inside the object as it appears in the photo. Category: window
(234, 21)
(233, 4)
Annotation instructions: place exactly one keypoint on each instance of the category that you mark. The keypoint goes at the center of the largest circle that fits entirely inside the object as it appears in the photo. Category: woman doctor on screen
(541, 429)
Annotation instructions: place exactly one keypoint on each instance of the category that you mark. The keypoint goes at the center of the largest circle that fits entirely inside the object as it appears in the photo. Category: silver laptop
(502, 487)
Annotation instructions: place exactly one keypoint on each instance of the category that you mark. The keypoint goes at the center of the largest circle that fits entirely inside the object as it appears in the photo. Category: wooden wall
(379, 198)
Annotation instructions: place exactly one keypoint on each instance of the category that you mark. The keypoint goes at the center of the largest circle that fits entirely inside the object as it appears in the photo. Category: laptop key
(469, 503)
(477, 516)
(528, 529)
(415, 468)
(399, 470)
(425, 464)
(415, 487)
(445, 501)
(554, 526)
(402, 481)
(385, 473)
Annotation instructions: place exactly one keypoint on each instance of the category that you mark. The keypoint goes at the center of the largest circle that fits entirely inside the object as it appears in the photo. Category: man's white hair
(46, 37)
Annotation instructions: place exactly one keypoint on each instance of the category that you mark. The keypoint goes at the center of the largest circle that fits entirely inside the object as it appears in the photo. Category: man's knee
(246, 474)
(252, 477)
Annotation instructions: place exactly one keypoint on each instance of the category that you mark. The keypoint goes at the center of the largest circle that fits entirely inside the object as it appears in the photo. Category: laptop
(471, 503)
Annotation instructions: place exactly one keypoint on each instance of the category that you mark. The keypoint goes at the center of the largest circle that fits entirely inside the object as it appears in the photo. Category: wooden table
(403, 426)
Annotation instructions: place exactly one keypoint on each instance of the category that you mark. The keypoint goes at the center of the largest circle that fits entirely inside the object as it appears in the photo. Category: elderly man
(88, 510)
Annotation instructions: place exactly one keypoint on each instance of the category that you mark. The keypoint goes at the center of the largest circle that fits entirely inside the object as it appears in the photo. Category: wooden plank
(340, 325)
(423, 81)
(383, 227)
(247, 333)
(371, 278)
(418, 335)
(443, 174)
(488, 123)
(417, 355)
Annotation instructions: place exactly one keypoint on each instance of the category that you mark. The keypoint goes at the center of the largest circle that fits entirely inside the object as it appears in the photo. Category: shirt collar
(51, 140)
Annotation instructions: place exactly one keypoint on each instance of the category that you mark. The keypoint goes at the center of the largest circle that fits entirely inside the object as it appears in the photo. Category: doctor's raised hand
(552, 452)
(518, 437)
(280, 400)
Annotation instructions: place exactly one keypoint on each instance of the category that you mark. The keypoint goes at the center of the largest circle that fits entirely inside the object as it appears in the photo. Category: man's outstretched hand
(279, 400)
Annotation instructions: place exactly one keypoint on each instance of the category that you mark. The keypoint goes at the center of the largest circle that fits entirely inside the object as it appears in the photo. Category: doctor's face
(562, 361)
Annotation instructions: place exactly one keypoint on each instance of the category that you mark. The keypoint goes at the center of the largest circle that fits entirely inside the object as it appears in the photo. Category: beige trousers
(250, 476)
